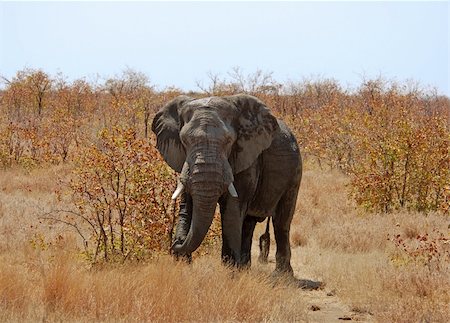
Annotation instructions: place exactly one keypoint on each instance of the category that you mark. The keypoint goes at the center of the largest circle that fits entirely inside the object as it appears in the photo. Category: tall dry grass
(44, 278)
(334, 242)
(163, 290)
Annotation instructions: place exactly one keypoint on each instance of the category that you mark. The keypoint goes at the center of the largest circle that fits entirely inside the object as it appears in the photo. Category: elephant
(230, 151)
(264, 244)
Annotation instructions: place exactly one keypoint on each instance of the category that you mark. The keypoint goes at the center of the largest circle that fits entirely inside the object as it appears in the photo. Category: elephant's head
(208, 141)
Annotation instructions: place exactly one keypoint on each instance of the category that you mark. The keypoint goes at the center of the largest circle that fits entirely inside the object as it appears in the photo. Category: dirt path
(322, 304)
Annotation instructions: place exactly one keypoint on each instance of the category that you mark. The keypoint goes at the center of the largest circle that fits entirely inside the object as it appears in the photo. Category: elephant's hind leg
(281, 227)
(264, 244)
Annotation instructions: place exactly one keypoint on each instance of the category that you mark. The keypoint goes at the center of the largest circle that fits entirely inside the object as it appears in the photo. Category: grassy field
(353, 254)
(44, 278)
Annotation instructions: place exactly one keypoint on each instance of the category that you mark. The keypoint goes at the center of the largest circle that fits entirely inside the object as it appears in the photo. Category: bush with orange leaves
(393, 142)
(403, 157)
(121, 188)
(35, 142)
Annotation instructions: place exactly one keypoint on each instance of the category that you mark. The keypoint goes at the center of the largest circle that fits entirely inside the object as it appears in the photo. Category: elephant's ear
(255, 126)
(166, 126)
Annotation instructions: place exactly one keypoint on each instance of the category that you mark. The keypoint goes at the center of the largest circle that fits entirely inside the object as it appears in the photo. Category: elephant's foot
(283, 278)
(246, 260)
(278, 277)
(245, 264)
(180, 257)
(231, 261)
(287, 277)
(184, 258)
(283, 272)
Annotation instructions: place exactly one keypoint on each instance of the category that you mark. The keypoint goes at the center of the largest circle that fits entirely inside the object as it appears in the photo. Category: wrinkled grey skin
(215, 141)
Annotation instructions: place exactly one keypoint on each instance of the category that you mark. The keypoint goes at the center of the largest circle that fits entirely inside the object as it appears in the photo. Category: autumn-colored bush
(41, 118)
(322, 116)
(12, 144)
(121, 188)
(391, 139)
(393, 142)
(31, 143)
(405, 160)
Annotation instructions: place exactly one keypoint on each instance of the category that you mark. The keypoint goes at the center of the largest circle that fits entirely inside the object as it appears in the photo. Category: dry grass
(298, 239)
(41, 282)
(62, 289)
(352, 253)
(333, 242)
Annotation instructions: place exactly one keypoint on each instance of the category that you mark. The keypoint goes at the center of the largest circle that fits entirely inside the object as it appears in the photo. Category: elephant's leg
(247, 235)
(226, 251)
(231, 218)
(281, 227)
(264, 244)
(184, 221)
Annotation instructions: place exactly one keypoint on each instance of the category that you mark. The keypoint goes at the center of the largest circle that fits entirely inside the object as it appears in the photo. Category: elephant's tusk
(232, 190)
(178, 191)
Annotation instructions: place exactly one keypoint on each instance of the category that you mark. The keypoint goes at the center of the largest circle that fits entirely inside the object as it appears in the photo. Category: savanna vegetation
(86, 218)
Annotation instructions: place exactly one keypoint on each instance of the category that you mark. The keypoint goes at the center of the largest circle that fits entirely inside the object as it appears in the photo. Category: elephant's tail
(264, 244)
(268, 226)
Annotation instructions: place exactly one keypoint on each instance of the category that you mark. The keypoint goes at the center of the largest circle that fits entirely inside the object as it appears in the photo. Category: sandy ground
(323, 304)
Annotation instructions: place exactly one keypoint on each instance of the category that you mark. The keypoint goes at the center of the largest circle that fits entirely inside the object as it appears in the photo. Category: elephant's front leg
(232, 218)
(184, 222)
(247, 235)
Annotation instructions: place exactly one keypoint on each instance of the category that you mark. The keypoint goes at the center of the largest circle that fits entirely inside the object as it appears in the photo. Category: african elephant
(230, 150)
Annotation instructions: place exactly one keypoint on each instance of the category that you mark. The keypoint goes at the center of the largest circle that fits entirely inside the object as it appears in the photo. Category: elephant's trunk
(207, 176)
(202, 215)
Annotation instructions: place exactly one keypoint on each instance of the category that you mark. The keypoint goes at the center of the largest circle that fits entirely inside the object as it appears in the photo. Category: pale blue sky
(177, 43)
